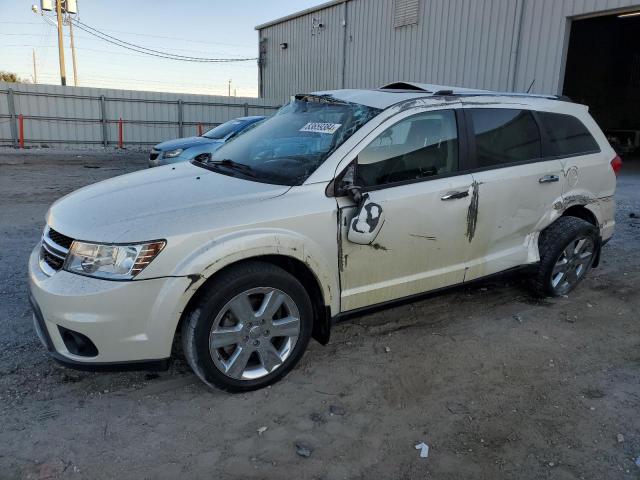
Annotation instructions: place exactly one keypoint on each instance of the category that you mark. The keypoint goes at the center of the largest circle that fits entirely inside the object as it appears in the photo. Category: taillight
(616, 164)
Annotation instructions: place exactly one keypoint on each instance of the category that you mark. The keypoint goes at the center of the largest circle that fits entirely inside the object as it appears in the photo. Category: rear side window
(504, 136)
(567, 135)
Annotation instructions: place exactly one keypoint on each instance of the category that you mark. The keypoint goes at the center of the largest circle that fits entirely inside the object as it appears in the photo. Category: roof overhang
(322, 6)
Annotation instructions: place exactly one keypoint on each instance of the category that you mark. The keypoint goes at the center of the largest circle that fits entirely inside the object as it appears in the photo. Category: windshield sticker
(319, 127)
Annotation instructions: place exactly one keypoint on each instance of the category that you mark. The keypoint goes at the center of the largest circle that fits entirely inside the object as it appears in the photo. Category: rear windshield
(567, 135)
(288, 147)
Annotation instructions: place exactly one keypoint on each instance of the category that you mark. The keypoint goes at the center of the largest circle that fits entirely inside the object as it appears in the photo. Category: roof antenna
(529, 89)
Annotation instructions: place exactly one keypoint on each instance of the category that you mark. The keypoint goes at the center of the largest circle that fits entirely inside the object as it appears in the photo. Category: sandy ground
(498, 384)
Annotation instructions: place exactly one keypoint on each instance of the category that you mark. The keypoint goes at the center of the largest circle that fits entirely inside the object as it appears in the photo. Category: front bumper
(131, 323)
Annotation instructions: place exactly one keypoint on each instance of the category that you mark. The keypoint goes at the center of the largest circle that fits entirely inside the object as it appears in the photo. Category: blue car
(182, 149)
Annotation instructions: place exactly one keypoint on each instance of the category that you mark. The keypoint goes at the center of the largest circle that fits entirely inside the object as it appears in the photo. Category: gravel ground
(497, 383)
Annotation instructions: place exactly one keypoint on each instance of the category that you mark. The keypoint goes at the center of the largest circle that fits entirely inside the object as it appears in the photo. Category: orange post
(120, 138)
(199, 129)
(21, 129)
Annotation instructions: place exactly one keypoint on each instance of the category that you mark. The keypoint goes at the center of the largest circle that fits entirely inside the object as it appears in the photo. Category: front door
(408, 234)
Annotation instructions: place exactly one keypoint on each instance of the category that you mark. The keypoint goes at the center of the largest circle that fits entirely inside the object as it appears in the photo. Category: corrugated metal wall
(494, 44)
(460, 42)
(312, 57)
(73, 115)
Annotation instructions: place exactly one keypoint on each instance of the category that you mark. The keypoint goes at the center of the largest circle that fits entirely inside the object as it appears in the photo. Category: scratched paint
(472, 214)
(426, 237)
(192, 280)
(572, 200)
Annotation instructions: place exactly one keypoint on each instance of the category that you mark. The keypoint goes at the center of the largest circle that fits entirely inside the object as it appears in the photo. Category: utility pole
(35, 70)
(73, 51)
(63, 75)
(229, 87)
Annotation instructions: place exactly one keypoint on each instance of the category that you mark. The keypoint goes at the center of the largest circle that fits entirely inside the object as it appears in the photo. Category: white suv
(343, 200)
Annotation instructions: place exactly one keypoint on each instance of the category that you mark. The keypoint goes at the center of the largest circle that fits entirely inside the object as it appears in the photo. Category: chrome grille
(60, 239)
(53, 251)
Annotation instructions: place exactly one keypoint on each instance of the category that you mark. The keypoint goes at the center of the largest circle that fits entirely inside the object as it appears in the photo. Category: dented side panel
(589, 182)
(511, 205)
(420, 246)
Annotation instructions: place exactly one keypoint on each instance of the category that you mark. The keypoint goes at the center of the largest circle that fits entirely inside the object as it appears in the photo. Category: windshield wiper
(233, 165)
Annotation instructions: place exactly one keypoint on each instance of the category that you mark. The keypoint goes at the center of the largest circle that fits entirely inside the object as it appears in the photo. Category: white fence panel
(67, 116)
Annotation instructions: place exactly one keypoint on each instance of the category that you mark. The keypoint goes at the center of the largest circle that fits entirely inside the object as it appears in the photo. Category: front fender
(227, 249)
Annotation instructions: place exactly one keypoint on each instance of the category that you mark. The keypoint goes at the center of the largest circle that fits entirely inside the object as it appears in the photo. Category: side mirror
(367, 221)
(369, 217)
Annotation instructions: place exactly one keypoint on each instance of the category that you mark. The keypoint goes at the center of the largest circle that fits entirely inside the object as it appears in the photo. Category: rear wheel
(567, 250)
(248, 328)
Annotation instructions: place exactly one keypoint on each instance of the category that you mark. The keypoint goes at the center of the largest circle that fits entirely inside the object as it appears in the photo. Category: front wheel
(567, 250)
(248, 328)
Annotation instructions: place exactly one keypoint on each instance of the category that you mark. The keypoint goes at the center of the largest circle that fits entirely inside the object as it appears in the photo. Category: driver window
(417, 147)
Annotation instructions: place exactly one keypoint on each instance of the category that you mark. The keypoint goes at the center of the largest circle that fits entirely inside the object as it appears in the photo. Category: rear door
(514, 189)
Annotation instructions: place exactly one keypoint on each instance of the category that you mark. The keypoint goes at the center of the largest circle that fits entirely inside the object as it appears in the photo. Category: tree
(11, 77)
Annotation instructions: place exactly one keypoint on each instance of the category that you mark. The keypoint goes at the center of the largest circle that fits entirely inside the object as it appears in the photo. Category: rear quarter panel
(589, 180)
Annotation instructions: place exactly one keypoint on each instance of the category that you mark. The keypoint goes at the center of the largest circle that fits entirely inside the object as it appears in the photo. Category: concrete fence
(36, 115)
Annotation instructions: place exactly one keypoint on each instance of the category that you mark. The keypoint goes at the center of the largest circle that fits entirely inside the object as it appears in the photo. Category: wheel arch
(296, 267)
(584, 212)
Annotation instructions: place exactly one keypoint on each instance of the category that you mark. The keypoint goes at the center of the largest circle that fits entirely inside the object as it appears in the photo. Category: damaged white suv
(341, 201)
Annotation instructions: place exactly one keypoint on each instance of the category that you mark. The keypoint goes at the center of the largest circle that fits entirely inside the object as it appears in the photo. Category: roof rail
(447, 90)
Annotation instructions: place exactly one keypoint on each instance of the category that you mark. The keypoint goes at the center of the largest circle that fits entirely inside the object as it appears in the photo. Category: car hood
(184, 143)
(157, 203)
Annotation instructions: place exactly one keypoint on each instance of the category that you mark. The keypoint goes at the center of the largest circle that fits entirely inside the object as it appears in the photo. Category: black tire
(211, 300)
(552, 243)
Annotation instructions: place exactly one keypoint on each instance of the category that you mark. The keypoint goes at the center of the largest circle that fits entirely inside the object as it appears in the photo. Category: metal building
(505, 45)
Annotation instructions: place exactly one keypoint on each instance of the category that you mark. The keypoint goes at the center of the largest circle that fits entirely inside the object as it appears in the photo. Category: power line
(82, 49)
(95, 39)
(244, 45)
(144, 50)
(148, 51)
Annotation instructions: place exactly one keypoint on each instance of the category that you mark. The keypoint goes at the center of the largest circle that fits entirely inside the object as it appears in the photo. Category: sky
(200, 28)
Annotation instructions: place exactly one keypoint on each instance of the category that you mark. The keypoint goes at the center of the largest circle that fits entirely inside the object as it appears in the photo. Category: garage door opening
(603, 71)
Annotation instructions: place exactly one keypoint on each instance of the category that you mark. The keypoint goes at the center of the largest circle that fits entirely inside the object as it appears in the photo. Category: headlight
(173, 153)
(113, 262)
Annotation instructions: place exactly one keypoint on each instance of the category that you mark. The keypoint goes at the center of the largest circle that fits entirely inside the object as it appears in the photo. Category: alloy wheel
(572, 264)
(254, 333)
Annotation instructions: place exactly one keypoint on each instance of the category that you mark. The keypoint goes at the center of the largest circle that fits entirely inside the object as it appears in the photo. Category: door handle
(454, 195)
(549, 179)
